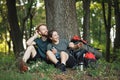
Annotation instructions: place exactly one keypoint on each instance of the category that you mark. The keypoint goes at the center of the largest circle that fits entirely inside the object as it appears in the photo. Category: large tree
(61, 15)
(15, 32)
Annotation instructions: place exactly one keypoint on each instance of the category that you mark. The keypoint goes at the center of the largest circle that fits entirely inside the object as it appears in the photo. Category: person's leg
(71, 62)
(64, 57)
(52, 57)
(30, 51)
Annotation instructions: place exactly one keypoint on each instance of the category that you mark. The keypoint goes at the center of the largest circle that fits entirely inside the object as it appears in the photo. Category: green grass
(103, 71)
(41, 72)
(9, 70)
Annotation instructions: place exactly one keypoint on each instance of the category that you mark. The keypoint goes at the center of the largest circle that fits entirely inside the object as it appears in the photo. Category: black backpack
(82, 55)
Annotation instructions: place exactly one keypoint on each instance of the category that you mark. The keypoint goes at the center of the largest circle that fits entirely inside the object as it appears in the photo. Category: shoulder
(38, 40)
(48, 40)
(49, 45)
(64, 40)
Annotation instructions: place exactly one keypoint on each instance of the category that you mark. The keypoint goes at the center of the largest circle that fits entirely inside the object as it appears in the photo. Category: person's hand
(54, 50)
(71, 45)
(80, 44)
(36, 34)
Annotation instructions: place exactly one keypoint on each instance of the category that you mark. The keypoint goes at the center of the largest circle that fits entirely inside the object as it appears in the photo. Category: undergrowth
(103, 71)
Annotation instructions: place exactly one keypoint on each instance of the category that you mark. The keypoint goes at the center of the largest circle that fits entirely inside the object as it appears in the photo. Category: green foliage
(95, 6)
(9, 70)
(3, 46)
(115, 56)
(6, 60)
(40, 16)
(34, 10)
(99, 1)
(0, 19)
(42, 67)
(103, 71)
(3, 17)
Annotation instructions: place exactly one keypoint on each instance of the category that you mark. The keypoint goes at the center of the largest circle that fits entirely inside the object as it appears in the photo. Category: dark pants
(71, 62)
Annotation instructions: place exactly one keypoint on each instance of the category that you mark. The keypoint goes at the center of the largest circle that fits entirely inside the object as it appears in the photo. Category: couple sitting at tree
(41, 48)
(50, 48)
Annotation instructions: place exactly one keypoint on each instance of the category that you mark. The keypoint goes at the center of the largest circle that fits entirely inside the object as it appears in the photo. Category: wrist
(35, 36)
(77, 46)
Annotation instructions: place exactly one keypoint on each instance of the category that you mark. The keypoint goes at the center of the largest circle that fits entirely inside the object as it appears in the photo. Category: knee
(49, 53)
(30, 47)
(63, 53)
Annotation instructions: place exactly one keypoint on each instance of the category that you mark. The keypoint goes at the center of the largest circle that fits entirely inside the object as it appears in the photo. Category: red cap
(76, 37)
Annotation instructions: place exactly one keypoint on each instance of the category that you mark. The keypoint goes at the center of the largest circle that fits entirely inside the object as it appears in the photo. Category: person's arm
(52, 49)
(31, 41)
(75, 46)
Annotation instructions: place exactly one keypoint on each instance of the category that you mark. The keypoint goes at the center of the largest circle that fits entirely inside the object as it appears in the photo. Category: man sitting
(37, 47)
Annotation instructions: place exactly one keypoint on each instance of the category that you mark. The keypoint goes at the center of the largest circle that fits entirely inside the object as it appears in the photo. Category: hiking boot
(23, 66)
(62, 67)
(57, 64)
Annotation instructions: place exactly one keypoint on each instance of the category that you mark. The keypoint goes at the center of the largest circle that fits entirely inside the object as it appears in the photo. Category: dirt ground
(71, 75)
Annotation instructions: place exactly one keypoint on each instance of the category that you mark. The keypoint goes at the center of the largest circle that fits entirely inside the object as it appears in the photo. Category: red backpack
(89, 55)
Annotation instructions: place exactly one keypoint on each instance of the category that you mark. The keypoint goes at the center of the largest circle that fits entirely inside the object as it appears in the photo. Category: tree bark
(86, 20)
(61, 15)
(117, 22)
(15, 32)
(107, 23)
(28, 14)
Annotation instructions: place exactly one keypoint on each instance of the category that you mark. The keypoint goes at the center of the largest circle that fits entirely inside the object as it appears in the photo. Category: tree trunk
(61, 15)
(107, 23)
(15, 32)
(31, 25)
(117, 22)
(86, 20)
(27, 15)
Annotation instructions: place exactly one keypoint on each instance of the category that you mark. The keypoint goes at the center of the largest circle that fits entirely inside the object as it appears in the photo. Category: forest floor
(104, 71)
(87, 74)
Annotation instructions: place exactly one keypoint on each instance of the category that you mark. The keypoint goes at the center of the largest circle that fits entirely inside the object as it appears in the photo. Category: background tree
(86, 20)
(107, 23)
(61, 15)
(15, 32)
(96, 24)
(27, 17)
(117, 19)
